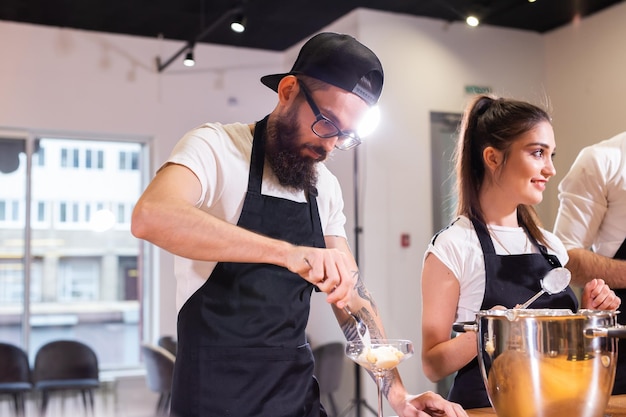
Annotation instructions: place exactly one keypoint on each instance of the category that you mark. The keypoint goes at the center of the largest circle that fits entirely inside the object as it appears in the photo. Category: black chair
(15, 375)
(329, 363)
(168, 343)
(66, 365)
(159, 374)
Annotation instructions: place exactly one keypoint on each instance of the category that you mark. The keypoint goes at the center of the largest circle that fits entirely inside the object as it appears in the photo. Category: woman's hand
(598, 296)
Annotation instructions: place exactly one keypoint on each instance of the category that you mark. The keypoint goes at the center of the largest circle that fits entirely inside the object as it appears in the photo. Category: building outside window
(83, 271)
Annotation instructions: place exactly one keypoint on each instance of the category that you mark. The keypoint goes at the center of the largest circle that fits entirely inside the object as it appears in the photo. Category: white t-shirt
(592, 211)
(459, 249)
(219, 155)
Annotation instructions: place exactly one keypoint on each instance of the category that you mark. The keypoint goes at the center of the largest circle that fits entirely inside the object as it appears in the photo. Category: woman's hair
(496, 122)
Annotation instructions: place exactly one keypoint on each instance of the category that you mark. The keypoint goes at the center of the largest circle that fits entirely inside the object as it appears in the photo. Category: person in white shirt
(256, 223)
(591, 223)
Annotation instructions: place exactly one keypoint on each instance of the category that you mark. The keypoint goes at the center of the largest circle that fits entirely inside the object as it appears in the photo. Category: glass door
(12, 231)
(66, 242)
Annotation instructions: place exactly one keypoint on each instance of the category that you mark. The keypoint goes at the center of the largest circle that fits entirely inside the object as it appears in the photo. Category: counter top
(616, 408)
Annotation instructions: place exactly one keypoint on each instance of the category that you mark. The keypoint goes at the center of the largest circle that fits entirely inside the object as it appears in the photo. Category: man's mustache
(318, 150)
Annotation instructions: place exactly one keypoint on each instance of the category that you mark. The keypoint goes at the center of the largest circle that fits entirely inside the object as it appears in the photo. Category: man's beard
(284, 154)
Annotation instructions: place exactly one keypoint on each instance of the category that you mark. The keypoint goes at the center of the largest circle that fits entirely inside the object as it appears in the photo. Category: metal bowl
(547, 362)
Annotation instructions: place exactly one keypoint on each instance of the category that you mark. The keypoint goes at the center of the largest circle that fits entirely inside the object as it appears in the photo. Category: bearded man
(255, 221)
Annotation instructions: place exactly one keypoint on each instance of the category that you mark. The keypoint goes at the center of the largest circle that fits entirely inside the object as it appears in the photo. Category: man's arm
(166, 216)
(586, 265)
(583, 196)
(362, 304)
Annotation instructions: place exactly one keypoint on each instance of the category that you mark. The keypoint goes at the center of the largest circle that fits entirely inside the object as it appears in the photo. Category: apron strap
(621, 252)
(255, 176)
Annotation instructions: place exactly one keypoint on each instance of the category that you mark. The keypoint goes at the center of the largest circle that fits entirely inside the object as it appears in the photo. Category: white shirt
(459, 249)
(592, 211)
(219, 155)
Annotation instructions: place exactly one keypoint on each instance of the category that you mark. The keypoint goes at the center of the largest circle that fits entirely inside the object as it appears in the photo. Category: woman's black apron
(509, 280)
(242, 347)
(620, 374)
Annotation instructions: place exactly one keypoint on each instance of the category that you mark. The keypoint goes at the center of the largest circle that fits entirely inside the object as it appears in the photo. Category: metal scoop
(554, 282)
(361, 328)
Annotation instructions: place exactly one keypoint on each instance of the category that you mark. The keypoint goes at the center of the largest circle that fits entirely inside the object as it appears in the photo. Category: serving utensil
(361, 328)
(555, 281)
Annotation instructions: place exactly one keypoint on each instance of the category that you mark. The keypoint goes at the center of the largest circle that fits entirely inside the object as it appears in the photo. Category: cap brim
(273, 80)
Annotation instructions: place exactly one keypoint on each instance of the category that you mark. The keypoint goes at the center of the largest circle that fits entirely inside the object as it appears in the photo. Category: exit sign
(477, 89)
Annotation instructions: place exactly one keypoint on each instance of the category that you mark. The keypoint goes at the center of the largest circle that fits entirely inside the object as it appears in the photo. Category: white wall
(585, 67)
(78, 81)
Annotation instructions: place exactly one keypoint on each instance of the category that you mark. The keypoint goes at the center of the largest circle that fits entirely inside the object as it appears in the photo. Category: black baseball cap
(339, 60)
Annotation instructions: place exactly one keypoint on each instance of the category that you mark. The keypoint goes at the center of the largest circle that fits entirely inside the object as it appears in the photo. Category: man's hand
(429, 404)
(331, 270)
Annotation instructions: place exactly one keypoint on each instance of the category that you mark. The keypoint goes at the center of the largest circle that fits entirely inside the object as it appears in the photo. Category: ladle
(555, 281)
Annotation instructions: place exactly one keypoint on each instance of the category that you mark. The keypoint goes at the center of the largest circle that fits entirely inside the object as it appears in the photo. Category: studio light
(370, 122)
(239, 23)
(472, 21)
(189, 61)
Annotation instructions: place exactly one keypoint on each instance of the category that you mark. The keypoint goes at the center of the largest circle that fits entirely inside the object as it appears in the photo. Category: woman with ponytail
(495, 252)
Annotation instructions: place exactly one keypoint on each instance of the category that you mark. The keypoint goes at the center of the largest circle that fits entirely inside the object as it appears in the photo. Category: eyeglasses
(325, 128)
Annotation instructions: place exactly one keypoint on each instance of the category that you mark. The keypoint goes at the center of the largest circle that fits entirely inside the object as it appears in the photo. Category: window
(63, 212)
(75, 158)
(12, 282)
(41, 212)
(11, 288)
(15, 212)
(100, 156)
(64, 157)
(120, 213)
(70, 158)
(39, 158)
(134, 160)
(88, 158)
(75, 212)
(129, 160)
(79, 279)
(10, 212)
(83, 265)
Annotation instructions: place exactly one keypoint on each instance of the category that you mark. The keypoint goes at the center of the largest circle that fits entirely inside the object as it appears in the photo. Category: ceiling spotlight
(472, 21)
(239, 23)
(189, 61)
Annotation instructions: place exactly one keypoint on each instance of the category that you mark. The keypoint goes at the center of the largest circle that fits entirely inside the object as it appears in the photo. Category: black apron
(242, 347)
(620, 374)
(509, 280)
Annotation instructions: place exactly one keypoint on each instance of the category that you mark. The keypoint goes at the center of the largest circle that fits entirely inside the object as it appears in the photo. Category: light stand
(357, 402)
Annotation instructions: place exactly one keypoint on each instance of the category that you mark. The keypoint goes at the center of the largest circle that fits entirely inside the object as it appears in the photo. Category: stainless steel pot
(547, 362)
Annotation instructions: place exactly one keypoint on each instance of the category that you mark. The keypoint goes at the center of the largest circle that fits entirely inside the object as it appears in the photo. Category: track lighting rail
(161, 66)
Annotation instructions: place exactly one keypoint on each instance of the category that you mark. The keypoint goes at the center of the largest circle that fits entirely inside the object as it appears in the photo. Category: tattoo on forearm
(388, 381)
(349, 326)
(364, 294)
